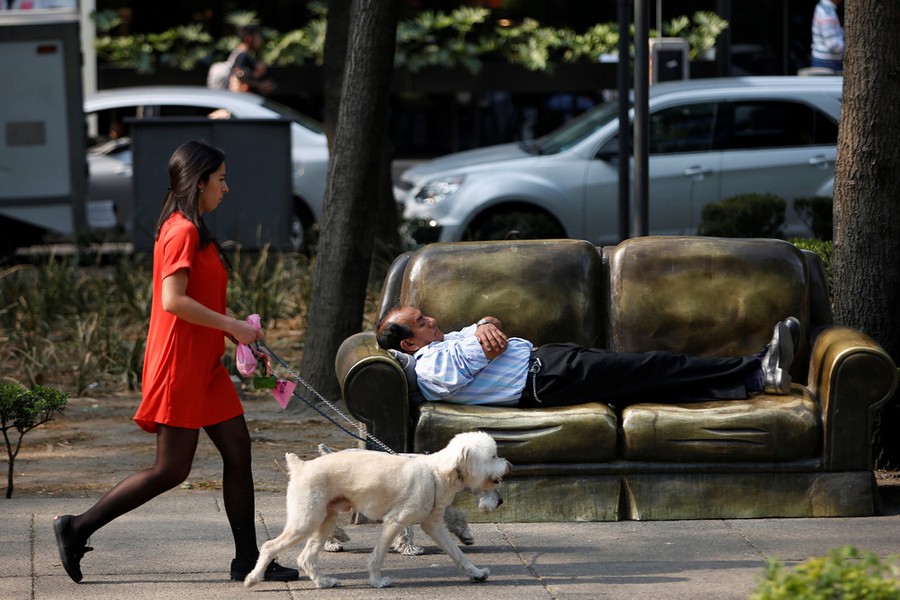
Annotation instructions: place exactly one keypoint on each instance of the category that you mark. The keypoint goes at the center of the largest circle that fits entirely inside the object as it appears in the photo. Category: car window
(777, 124)
(110, 124)
(577, 129)
(683, 128)
(183, 110)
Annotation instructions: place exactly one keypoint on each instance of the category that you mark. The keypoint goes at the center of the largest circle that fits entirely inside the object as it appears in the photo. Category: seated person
(481, 365)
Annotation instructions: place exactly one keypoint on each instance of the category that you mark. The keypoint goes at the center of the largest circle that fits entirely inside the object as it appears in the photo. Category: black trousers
(564, 374)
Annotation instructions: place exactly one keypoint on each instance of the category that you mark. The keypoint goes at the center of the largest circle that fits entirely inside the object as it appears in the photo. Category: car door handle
(697, 173)
(820, 161)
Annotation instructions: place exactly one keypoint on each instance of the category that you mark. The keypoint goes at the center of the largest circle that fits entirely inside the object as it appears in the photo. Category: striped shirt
(827, 33)
(456, 370)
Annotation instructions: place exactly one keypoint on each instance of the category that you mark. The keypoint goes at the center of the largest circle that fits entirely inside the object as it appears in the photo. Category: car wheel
(304, 232)
(515, 224)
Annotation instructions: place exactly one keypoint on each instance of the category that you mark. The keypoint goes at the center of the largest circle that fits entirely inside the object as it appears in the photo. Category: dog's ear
(293, 461)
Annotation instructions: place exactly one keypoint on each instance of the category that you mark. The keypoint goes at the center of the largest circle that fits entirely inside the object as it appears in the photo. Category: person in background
(248, 72)
(186, 386)
(827, 37)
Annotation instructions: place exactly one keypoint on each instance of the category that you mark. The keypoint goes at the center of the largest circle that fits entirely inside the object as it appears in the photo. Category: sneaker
(274, 572)
(793, 325)
(70, 553)
(776, 362)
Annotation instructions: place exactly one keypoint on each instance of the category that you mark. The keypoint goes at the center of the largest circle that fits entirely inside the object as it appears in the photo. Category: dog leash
(261, 346)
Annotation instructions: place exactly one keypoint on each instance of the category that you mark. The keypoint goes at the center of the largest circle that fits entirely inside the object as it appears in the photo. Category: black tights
(175, 448)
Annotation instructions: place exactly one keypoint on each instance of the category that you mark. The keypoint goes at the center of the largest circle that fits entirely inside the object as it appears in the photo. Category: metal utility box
(669, 59)
(258, 208)
(43, 173)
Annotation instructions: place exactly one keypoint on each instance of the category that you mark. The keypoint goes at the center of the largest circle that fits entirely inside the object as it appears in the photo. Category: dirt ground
(95, 443)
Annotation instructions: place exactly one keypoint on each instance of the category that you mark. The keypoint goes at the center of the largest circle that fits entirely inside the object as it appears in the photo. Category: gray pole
(624, 129)
(641, 116)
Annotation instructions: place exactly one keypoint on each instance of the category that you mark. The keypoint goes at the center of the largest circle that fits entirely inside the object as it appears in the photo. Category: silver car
(710, 139)
(110, 191)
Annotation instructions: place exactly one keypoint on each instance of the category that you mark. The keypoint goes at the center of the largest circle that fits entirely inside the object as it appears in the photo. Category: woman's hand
(244, 332)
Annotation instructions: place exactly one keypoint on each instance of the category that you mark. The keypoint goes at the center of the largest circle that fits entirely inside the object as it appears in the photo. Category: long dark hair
(191, 164)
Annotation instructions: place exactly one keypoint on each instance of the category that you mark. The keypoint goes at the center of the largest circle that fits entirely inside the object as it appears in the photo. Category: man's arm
(492, 339)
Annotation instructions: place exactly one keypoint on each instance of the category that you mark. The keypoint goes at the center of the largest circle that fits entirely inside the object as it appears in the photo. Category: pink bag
(247, 364)
(243, 355)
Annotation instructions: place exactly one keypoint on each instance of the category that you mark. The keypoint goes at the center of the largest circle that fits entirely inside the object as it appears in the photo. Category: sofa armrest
(852, 376)
(374, 387)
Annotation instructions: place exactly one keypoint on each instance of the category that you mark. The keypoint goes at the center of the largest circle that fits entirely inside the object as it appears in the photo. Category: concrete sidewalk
(178, 546)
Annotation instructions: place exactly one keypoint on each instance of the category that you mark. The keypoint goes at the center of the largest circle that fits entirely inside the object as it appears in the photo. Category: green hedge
(746, 215)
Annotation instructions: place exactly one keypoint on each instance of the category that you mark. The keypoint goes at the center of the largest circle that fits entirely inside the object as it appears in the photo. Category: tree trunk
(387, 237)
(336, 42)
(340, 274)
(866, 193)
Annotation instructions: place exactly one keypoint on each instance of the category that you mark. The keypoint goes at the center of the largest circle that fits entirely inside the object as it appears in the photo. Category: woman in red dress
(185, 384)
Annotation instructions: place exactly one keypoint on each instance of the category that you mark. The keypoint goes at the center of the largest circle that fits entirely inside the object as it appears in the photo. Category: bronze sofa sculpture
(805, 454)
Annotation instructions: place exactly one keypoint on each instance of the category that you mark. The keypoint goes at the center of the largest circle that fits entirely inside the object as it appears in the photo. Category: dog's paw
(380, 582)
(250, 580)
(477, 575)
(326, 582)
(332, 545)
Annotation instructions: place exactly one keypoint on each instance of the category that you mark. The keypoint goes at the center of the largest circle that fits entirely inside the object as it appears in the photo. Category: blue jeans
(835, 65)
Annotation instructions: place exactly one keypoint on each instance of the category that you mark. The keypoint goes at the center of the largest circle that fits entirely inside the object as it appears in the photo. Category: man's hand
(492, 339)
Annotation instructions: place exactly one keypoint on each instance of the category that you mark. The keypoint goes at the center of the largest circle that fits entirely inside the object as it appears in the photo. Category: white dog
(456, 519)
(398, 490)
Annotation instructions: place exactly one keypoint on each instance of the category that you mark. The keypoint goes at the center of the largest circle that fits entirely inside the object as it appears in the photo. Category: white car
(110, 191)
(710, 139)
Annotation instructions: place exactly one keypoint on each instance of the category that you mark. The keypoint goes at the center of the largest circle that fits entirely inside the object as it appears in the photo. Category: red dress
(185, 383)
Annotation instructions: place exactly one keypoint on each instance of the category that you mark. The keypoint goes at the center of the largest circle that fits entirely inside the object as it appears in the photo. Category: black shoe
(274, 572)
(70, 553)
(776, 362)
(793, 325)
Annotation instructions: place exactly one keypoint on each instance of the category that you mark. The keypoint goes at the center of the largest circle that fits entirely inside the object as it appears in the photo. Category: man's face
(424, 329)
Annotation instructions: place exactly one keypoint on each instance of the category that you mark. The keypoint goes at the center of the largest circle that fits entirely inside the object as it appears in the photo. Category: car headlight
(439, 190)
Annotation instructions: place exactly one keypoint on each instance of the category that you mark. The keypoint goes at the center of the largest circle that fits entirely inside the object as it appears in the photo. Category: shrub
(816, 212)
(22, 410)
(845, 573)
(825, 250)
(744, 216)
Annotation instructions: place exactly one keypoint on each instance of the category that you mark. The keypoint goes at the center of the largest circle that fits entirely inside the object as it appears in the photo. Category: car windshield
(290, 113)
(576, 130)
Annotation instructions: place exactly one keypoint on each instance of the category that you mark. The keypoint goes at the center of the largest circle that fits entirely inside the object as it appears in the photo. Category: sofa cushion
(760, 429)
(703, 296)
(543, 290)
(567, 434)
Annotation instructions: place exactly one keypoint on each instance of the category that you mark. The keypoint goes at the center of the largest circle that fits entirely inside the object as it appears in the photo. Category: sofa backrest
(543, 290)
(701, 295)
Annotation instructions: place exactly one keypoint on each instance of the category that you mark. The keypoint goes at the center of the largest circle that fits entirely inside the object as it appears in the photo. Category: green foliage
(845, 573)
(464, 37)
(84, 326)
(824, 249)
(701, 31)
(743, 216)
(817, 213)
(21, 410)
(436, 38)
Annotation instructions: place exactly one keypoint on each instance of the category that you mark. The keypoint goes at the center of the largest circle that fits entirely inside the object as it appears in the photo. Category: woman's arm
(176, 301)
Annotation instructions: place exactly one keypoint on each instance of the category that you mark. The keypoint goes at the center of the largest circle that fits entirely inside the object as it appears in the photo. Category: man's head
(406, 329)
(251, 35)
